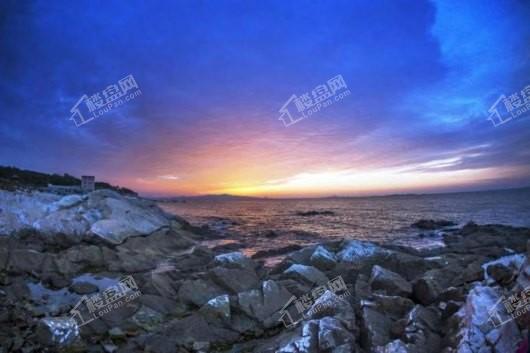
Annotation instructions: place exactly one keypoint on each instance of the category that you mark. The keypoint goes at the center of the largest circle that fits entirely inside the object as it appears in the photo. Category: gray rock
(302, 256)
(393, 307)
(147, 318)
(26, 261)
(427, 289)
(307, 273)
(396, 346)
(235, 280)
(235, 260)
(59, 332)
(503, 275)
(264, 304)
(83, 288)
(330, 304)
(110, 348)
(218, 307)
(477, 331)
(354, 251)
(503, 268)
(323, 259)
(66, 202)
(389, 282)
(198, 292)
(196, 328)
(116, 333)
(331, 334)
(375, 329)
(430, 224)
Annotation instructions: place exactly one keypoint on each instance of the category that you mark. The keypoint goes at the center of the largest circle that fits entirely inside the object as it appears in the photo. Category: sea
(264, 224)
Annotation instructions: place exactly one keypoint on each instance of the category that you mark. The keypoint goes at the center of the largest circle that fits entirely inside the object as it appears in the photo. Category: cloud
(169, 177)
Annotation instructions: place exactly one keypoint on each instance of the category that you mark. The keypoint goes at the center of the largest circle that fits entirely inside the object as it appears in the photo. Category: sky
(212, 77)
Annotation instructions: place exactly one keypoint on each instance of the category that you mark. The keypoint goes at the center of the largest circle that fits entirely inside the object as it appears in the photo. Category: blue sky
(214, 74)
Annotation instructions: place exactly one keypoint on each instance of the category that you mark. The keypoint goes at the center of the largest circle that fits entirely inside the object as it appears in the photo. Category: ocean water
(385, 219)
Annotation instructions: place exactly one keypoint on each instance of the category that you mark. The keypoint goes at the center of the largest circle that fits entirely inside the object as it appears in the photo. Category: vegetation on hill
(12, 178)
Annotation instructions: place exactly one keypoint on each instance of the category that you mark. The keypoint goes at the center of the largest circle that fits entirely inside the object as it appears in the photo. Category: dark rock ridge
(314, 213)
(193, 299)
(430, 224)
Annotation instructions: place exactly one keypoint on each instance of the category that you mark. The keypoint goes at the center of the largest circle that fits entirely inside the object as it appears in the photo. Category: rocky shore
(57, 251)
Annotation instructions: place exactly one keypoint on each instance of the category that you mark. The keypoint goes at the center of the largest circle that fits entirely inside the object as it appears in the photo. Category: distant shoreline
(229, 197)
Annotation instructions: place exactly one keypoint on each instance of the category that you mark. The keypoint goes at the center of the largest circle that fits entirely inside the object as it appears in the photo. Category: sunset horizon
(412, 111)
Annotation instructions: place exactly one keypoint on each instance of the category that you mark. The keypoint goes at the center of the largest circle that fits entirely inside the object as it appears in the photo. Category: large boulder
(233, 279)
(483, 324)
(503, 269)
(306, 273)
(235, 260)
(431, 224)
(323, 259)
(324, 335)
(356, 251)
(198, 292)
(218, 308)
(330, 304)
(59, 332)
(389, 282)
(264, 304)
(104, 213)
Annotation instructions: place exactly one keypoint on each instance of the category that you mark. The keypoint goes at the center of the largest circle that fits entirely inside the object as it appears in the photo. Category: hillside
(12, 178)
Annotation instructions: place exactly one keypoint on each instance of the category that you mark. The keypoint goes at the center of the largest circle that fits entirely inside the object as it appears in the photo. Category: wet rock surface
(59, 250)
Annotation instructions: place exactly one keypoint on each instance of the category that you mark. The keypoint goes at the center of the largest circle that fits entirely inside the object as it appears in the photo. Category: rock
(470, 228)
(307, 273)
(354, 251)
(66, 202)
(430, 224)
(198, 292)
(110, 348)
(331, 334)
(330, 304)
(59, 332)
(201, 346)
(396, 346)
(393, 307)
(504, 268)
(164, 284)
(116, 333)
(26, 261)
(233, 279)
(501, 274)
(325, 335)
(218, 307)
(83, 288)
(193, 329)
(302, 256)
(315, 213)
(389, 282)
(323, 259)
(148, 318)
(481, 327)
(264, 304)
(235, 260)
(375, 329)
(427, 290)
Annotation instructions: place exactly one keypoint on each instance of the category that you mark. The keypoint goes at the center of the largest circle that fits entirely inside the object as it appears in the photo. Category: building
(88, 183)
